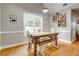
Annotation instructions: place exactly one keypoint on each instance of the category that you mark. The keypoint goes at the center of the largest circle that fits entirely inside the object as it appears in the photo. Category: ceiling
(32, 7)
(54, 7)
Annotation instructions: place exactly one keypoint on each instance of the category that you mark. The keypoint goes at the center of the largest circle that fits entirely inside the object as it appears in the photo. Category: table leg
(35, 47)
(56, 42)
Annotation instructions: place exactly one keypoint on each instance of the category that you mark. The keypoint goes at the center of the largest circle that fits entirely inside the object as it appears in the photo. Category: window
(33, 23)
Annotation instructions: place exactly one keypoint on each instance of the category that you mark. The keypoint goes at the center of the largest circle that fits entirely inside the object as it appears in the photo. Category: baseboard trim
(17, 44)
(69, 42)
(13, 45)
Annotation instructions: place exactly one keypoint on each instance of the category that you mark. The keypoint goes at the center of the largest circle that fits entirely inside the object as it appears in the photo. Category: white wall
(0, 24)
(46, 22)
(37, 8)
(0, 17)
(64, 32)
(12, 33)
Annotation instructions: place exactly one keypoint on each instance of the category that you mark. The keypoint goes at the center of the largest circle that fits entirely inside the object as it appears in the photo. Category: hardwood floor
(14, 51)
(69, 50)
(49, 50)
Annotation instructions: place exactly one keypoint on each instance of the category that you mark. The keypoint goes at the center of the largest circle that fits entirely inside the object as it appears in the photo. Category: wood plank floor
(62, 50)
(69, 50)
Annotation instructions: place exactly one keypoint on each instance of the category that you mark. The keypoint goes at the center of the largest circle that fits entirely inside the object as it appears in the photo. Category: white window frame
(34, 22)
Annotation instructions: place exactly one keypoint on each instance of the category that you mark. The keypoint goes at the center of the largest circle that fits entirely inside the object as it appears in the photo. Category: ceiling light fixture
(65, 4)
(45, 10)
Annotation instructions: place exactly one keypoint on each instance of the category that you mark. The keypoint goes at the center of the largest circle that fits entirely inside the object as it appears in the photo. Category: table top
(44, 33)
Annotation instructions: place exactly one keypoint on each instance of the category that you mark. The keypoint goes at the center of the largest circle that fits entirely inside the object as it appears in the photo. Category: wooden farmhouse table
(37, 36)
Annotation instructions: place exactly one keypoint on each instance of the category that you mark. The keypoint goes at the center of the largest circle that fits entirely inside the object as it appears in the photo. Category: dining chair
(29, 39)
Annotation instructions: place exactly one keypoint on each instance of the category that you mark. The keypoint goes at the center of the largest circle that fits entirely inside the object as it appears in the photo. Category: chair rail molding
(10, 32)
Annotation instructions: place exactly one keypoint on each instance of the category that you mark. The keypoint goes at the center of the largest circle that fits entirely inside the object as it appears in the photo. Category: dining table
(37, 36)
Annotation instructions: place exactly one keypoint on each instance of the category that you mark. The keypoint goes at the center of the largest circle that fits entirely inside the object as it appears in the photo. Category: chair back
(29, 37)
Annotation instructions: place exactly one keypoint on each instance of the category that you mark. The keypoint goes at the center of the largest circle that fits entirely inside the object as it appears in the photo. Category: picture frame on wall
(13, 18)
(62, 20)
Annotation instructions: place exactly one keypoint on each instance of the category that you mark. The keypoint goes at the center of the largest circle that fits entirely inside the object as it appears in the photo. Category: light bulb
(45, 10)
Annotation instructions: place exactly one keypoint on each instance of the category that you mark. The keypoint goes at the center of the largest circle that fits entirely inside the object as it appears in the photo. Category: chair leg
(41, 50)
(29, 49)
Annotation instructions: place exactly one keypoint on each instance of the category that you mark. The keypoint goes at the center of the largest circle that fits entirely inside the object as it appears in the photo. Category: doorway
(75, 21)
